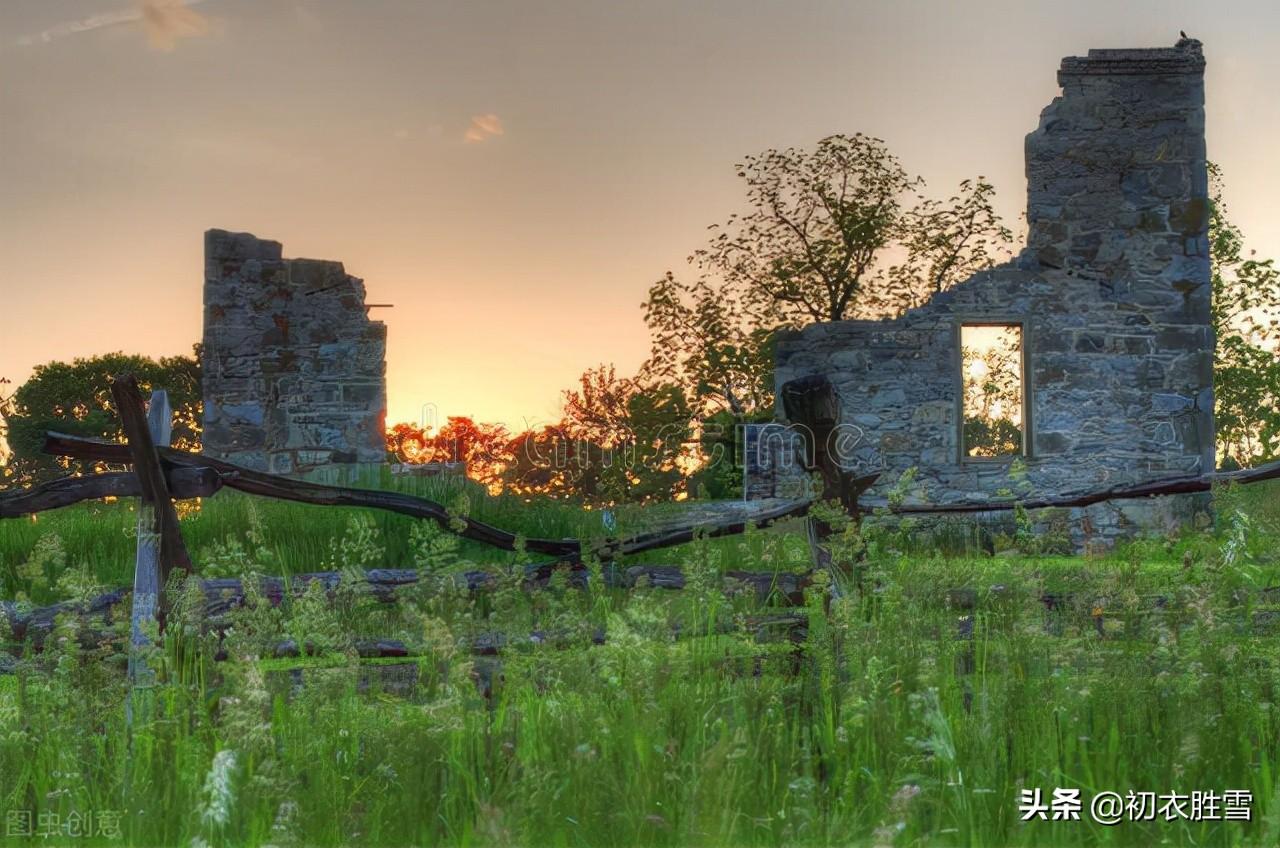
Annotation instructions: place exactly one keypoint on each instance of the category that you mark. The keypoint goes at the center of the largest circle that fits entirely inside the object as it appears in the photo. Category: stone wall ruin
(293, 369)
(1112, 292)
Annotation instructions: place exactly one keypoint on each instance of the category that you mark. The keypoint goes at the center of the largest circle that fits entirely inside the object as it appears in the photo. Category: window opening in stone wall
(993, 399)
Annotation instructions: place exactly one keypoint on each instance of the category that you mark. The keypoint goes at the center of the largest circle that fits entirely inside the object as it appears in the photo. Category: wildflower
(218, 793)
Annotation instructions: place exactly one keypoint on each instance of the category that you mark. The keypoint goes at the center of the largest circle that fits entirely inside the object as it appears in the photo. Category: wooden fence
(161, 474)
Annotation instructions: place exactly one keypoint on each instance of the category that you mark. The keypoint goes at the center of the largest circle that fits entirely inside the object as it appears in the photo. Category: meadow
(934, 685)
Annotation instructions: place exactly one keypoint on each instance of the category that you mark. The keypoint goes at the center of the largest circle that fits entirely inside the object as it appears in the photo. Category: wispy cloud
(168, 21)
(483, 127)
(165, 21)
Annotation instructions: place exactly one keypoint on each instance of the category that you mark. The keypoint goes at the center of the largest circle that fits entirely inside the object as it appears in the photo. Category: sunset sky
(512, 176)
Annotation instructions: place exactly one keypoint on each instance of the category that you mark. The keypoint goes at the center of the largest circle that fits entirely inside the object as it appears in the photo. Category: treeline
(829, 233)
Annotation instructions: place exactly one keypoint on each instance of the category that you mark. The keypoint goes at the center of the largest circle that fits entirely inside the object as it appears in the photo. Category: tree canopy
(842, 230)
(1246, 321)
(75, 397)
(834, 232)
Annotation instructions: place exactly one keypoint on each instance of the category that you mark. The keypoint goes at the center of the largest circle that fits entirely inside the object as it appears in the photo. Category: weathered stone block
(281, 337)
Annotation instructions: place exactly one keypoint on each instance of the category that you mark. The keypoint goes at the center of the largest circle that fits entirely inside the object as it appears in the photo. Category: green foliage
(814, 246)
(881, 728)
(433, 548)
(1246, 322)
(230, 556)
(360, 546)
(75, 398)
(703, 340)
(314, 623)
(620, 441)
(992, 393)
(720, 438)
(945, 242)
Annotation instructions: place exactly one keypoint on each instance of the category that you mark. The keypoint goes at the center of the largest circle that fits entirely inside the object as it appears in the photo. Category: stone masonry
(1113, 295)
(294, 370)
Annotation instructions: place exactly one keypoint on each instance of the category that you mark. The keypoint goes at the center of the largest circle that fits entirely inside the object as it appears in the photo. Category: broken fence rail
(194, 475)
(733, 517)
(99, 616)
(1183, 485)
(223, 594)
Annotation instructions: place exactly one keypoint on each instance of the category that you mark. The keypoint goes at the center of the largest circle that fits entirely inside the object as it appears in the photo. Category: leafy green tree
(75, 398)
(992, 391)
(835, 232)
(1246, 320)
(6, 409)
(619, 440)
(946, 242)
(824, 223)
(702, 340)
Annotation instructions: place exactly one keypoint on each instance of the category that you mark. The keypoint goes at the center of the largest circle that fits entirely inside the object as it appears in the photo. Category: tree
(6, 409)
(814, 247)
(597, 411)
(992, 378)
(629, 436)
(1246, 321)
(75, 398)
(543, 463)
(485, 449)
(702, 339)
(947, 242)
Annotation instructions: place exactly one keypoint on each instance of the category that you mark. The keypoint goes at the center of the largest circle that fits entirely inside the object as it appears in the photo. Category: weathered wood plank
(761, 514)
(145, 459)
(299, 491)
(147, 585)
(733, 517)
(184, 483)
(1155, 488)
(223, 594)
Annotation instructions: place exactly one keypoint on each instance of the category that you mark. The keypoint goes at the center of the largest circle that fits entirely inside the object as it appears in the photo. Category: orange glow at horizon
(513, 179)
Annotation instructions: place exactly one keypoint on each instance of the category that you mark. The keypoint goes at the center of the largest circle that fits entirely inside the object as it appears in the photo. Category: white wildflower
(218, 794)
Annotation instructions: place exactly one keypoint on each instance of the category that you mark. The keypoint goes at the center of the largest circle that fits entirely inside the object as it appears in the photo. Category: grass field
(914, 714)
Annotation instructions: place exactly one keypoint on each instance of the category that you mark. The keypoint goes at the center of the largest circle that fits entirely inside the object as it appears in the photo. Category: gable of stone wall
(1112, 292)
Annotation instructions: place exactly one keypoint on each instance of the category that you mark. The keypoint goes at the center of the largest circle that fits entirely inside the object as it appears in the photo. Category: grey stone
(1112, 291)
(294, 370)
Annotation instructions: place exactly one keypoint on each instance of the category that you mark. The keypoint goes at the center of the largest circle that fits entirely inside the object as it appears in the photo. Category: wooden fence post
(160, 547)
(146, 568)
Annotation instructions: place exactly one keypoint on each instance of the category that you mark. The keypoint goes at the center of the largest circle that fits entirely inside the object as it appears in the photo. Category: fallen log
(38, 623)
(735, 518)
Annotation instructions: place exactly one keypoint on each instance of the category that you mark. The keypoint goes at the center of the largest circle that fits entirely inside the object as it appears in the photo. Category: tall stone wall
(1112, 292)
(294, 370)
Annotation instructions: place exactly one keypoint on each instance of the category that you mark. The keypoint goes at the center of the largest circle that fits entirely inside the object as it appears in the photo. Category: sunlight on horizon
(516, 214)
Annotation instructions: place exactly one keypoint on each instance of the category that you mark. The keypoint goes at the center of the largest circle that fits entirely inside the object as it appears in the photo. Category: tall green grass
(1158, 671)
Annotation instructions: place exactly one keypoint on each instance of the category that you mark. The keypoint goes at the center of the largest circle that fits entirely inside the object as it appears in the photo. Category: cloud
(165, 22)
(483, 127)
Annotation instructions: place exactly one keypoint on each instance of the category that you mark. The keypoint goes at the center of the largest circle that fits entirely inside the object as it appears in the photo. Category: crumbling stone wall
(294, 370)
(1113, 294)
